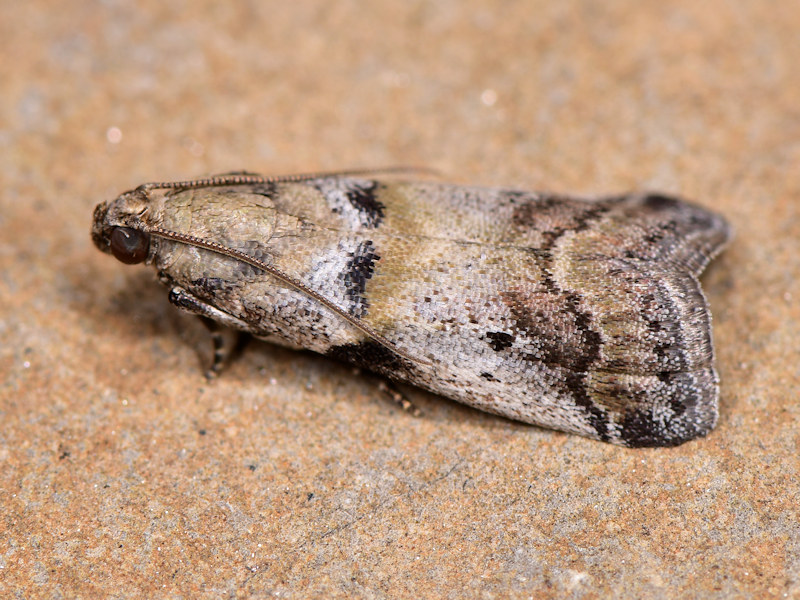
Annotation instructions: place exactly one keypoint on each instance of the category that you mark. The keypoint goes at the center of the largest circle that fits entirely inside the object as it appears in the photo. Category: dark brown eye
(129, 246)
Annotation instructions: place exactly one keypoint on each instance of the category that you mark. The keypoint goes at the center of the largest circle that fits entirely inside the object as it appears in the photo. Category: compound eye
(129, 246)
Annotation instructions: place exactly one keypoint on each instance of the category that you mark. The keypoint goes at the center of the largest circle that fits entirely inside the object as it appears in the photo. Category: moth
(584, 316)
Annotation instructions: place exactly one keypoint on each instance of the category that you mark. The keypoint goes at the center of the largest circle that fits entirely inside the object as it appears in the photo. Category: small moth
(584, 316)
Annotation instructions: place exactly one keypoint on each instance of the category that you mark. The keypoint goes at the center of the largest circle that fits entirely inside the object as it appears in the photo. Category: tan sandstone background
(124, 474)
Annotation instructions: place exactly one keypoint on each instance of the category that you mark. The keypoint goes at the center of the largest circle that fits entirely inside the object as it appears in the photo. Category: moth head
(118, 227)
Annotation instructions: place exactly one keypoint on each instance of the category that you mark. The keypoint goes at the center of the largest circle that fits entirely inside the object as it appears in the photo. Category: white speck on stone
(114, 135)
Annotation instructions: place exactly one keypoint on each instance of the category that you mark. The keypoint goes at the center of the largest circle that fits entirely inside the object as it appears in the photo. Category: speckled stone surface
(123, 473)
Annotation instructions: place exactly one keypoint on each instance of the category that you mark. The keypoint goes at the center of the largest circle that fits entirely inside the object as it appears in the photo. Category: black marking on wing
(364, 198)
(345, 196)
(580, 365)
(372, 356)
(354, 278)
(270, 190)
(499, 340)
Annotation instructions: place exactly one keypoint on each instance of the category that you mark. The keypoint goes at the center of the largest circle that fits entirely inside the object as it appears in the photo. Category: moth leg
(223, 348)
(398, 397)
(224, 345)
